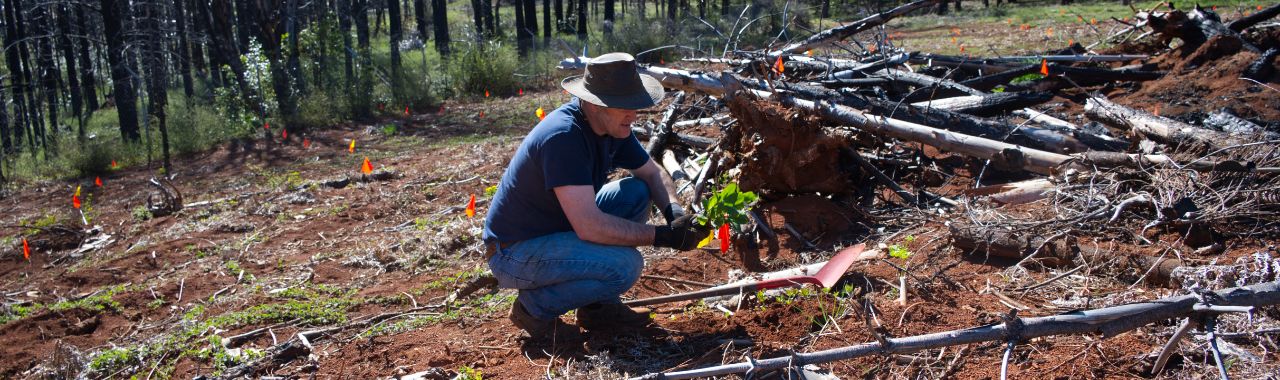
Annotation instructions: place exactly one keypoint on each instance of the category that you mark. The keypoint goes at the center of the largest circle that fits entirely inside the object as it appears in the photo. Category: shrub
(93, 159)
(487, 66)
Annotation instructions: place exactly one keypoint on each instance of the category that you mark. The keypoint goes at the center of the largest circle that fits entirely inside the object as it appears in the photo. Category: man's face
(615, 122)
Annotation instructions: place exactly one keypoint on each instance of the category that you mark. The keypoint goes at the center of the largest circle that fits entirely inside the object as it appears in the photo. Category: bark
(87, 80)
(122, 84)
(1262, 68)
(559, 8)
(155, 66)
(1056, 252)
(364, 90)
(67, 48)
(199, 31)
(839, 33)
(440, 20)
(988, 104)
(344, 28)
(582, 20)
(1159, 129)
(394, 34)
(420, 19)
(17, 81)
(522, 40)
(184, 57)
(530, 18)
(546, 23)
(297, 80)
(224, 44)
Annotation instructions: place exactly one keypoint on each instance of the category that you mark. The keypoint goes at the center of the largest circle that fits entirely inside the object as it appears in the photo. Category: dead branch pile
(1038, 171)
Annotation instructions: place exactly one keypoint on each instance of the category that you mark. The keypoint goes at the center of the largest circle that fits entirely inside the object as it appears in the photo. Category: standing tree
(365, 87)
(546, 23)
(155, 66)
(582, 20)
(122, 85)
(67, 48)
(17, 81)
(530, 18)
(183, 56)
(394, 33)
(88, 82)
(441, 22)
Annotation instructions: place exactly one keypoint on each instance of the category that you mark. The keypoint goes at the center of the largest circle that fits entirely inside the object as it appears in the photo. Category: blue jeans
(557, 273)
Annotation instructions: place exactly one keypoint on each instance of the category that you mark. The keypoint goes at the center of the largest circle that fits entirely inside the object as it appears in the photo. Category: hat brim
(652, 94)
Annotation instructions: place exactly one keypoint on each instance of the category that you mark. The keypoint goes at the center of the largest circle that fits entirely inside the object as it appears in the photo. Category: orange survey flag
(808, 53)
(778, 67)
(481, 114)
(284, 134)
(352, 147)
(521, 93)
(75, 201)
(723, 235)
(541, 114)
(367, 167)
(113, 164)
(26, 250)
(486, 93)
(266, 125)
(97, 181)
(406, 110)
(1044, 67)
(306, 143)
(471, 207)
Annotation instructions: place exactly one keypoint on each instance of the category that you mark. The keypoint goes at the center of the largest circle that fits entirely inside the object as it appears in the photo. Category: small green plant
(490, 191)
(1027, 78)
(468, 373)
(898, 251)
(729, 205)
(141, 213)
(389, 130)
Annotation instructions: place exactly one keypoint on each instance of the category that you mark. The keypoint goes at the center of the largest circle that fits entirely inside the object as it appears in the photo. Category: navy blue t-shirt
(562, 150)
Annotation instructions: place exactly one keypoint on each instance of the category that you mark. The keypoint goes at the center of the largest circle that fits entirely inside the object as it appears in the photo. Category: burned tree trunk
(87, 80)
(184, 49)
(364, 87)
(988, 104)
(122, 83)
(441, 22)
(1159, 129)
(17, 81)
(67, 49)
(394, 34)
(156, 66)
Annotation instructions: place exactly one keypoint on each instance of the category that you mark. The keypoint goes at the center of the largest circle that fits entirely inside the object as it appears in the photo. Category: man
(562, 236)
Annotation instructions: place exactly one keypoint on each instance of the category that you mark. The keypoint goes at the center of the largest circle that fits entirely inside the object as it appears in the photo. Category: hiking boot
(553, 330)
(599, 316)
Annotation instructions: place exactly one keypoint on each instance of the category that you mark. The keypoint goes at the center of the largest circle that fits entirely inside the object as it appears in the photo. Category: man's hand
(682, 234)
(672, 212)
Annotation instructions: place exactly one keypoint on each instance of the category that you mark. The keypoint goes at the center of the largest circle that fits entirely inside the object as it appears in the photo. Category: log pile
(872, 130)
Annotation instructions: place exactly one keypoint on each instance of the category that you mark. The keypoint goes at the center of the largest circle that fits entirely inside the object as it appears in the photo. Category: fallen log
(663, 131)
(1240, 24)
(1046, 119)
(1037, 161)
(987, 104)
(1262, 68)
(1055, 251)
(938, 86)
(1157, 128)
(1108, 321)
(717, 119)
(1195, 28)
(839, 33)
(1229, 123)
(875, 172)
(1015, 192)
(692, 141)
(990, 81)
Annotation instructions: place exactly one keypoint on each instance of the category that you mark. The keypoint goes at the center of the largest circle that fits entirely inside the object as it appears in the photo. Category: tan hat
(612, 80)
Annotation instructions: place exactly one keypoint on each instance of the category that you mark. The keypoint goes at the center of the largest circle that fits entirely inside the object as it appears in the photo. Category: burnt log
(1056, 251)
(1159, 129)
(930, 87)
(988, 104)
(1240, 24)
(1194, 28)
(1261, 69)
(692, 141)
(663, 131)
(990, 81)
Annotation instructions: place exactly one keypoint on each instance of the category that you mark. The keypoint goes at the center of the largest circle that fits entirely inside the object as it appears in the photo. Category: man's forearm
(662, 189)
(612, 230)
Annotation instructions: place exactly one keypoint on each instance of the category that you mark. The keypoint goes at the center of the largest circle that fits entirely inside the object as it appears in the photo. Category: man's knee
(627, 265)
(625, 198)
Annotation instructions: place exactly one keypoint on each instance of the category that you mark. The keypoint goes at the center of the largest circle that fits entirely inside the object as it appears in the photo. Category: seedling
(729, 205)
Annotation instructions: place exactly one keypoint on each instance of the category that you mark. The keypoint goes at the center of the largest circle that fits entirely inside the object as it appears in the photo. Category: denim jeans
(557, 273)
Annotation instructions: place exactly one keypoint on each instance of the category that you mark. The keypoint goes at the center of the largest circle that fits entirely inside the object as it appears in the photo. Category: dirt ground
(277, 252)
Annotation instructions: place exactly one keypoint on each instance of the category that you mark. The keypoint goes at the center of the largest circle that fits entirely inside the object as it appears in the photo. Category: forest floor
(276, 251)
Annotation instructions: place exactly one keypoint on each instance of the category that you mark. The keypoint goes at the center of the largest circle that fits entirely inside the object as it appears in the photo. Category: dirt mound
(1208, 79)
(779, 151)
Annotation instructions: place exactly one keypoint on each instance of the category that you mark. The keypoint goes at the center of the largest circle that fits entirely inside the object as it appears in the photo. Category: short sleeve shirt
(561, 150)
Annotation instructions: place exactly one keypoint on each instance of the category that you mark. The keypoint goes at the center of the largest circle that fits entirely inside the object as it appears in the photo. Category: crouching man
(561, 235)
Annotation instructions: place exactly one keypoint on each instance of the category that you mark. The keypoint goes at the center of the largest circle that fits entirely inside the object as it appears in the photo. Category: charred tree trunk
(224, 45)
(608, 16)
(184, 51)
(199, 32)
(364, 92)
(344, 28)
(122, 85)
(1159, 129)
(582, 20)
(546, 23)
(420, 18)
(155, 66)
(294, 62)
(88, 83)
(66, 46)
(559, 9)
(522, 40)
(440, 20)
(17, 81)
(394, 33)
(530, 18)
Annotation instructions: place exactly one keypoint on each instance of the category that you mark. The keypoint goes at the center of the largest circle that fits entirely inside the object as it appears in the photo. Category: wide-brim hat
(612, 80)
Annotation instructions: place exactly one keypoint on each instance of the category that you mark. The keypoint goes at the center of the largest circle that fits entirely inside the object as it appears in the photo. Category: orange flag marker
(723, 235)
(406, 110)
(266, 125)
(541, 114)
(661, 61)
(284, 134)
(1079, 17)
(1071, 41)
(961, 49)
(306, 143)
(75, 201)
(953, 40)
(1044, 67)
(481, 114)
(778, 66)
(352, 148)
(367, 167)
(486, 93)
(1093, 21)
(471, 207)
(808, 53)
(1049, 32)
(97, 181)
(521, 93)
(26, 250)
(1259, 7)
(113, 164)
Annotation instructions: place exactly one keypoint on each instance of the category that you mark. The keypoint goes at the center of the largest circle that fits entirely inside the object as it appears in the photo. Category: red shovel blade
(827, 275)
